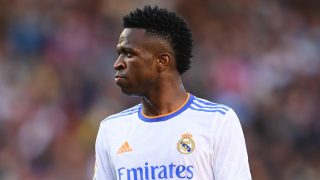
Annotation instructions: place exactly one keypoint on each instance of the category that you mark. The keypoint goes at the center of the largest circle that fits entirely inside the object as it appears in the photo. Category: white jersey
(201, 141)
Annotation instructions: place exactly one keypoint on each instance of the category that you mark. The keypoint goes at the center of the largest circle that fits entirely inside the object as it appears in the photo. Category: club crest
(186, 144)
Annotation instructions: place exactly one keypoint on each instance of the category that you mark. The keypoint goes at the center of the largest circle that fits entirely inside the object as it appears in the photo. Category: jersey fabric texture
(201, 140)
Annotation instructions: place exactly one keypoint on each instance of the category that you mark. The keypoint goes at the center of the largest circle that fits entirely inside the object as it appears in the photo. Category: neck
(164, 99)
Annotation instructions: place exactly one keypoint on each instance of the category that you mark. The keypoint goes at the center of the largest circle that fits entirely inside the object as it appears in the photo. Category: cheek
(146, 75)
(150, 69)
(143, 69)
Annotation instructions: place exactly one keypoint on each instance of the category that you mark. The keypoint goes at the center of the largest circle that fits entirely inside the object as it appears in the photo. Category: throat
(162, 106)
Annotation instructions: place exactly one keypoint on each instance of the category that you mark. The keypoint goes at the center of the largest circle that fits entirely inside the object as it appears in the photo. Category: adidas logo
(124, 148)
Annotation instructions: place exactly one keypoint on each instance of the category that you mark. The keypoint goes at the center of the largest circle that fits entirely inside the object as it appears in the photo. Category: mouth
(119, 76)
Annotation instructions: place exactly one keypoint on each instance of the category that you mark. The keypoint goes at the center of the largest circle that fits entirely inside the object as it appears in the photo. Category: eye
(128, 54)
(125, 53)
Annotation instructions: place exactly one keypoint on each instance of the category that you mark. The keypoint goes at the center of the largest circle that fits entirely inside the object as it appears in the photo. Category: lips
(120, 76)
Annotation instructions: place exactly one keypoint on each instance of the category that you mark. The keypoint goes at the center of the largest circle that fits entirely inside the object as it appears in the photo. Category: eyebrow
(124, 49)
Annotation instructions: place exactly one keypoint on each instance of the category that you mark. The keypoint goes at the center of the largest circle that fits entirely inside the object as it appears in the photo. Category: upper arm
(103, 168)
(230, 159)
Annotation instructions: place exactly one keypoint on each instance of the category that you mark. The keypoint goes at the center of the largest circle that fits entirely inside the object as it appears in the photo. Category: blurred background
(261, 57)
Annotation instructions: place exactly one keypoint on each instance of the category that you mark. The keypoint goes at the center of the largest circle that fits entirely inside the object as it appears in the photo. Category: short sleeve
(103, 169)
(230, 158)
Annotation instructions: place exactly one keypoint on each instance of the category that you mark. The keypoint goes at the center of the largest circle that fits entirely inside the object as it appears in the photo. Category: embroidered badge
(186, 144)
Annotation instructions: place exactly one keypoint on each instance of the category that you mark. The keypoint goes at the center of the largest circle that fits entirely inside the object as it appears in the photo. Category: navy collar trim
(166, 117)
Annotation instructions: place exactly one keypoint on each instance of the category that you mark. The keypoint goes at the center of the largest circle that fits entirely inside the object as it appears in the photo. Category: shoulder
(222, 116)
(122, 114)
(203, 105)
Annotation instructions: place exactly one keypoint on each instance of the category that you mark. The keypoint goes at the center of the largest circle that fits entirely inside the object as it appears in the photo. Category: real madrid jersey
(201, 141)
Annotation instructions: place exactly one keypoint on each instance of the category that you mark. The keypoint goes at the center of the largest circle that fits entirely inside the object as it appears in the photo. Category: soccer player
(171, 134)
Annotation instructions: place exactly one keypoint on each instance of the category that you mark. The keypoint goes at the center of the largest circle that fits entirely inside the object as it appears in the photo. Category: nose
(119, 64)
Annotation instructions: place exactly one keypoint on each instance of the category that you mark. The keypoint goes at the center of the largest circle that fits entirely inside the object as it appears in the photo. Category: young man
(171, 134)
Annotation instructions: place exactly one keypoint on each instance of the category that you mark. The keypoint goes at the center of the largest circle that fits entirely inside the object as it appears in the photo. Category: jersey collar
(168, 116)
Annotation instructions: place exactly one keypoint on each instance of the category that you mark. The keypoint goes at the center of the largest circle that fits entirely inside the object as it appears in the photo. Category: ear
(164, 61)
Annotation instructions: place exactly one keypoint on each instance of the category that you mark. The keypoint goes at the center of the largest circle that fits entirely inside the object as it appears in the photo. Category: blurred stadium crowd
(261, 57)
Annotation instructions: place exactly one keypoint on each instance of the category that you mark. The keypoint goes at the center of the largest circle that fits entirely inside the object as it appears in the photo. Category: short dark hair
(166, 25)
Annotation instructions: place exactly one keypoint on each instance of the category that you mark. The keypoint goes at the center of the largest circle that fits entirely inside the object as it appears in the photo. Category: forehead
(132, 37)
